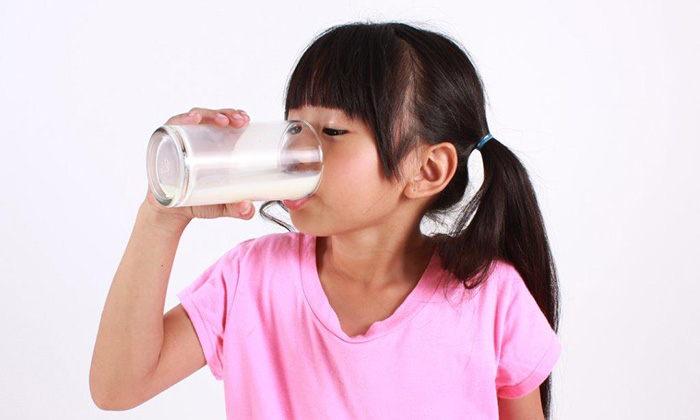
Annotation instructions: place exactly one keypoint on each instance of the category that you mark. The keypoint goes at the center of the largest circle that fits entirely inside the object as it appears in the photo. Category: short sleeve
(207, 301)
(528, 346)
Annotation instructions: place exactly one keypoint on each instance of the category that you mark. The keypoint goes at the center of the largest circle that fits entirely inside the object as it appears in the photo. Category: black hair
(411, 85)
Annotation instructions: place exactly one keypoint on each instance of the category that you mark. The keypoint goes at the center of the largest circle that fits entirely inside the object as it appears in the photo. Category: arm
(527, 407)
(139, 352)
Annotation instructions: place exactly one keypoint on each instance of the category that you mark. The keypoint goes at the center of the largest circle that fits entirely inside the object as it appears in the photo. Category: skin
(527, 407)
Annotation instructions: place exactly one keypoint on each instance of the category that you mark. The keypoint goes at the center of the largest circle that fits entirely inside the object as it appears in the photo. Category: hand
(220, 118)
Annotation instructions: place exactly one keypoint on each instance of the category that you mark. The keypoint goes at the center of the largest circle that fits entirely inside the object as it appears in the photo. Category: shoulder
(501, 278)
(508, 273)
(505, 278)
(513, 296)
(272, 246)
(267, 267)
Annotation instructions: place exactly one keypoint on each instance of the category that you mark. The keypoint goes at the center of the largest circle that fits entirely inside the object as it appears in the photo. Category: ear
(435, 168)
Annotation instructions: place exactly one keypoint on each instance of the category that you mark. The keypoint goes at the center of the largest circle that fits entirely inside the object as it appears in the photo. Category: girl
(357, 315)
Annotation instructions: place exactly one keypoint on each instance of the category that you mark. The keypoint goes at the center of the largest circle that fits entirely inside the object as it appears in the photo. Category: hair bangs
(342, 69)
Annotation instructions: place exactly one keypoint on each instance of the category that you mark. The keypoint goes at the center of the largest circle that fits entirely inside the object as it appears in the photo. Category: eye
(333, 132)
(295, 129)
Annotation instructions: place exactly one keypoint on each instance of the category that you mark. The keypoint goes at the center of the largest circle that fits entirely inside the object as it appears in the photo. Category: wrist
(169, 224)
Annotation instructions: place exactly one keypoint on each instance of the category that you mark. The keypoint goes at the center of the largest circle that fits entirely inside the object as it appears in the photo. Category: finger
(242, 209)
(204, 116)
(182, 119)
(249, 215)
(238, 117)
(199, 116)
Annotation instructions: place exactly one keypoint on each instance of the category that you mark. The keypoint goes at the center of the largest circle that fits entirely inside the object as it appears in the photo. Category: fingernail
(221, 117)
(238, 117)
(245, 210)
(191, 115)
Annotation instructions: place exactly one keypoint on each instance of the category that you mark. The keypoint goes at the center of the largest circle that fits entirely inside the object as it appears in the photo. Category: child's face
(353, 193)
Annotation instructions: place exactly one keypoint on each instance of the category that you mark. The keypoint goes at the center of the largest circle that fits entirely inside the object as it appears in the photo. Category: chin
(312, 229)
(311, 225)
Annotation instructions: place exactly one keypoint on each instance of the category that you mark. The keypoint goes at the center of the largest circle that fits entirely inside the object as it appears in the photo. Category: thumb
(241, 209)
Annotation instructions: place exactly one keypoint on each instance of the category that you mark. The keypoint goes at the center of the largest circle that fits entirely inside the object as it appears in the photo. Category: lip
(295, 204)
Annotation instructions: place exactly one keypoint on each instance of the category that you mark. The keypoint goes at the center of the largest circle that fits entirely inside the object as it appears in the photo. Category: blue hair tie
(483, 141)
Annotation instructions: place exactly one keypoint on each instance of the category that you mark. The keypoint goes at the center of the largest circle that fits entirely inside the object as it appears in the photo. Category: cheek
(353, 182)
(353, 194)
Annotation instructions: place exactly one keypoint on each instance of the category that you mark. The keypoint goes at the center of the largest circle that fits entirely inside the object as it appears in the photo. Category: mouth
(296, 204)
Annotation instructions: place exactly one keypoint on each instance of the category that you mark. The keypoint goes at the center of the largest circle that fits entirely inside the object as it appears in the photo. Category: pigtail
(506, 223)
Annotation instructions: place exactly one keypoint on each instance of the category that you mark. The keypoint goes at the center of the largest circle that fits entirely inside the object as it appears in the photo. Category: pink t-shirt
(267, 329)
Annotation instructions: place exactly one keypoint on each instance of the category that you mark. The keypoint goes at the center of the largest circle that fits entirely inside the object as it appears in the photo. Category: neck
(372, 260)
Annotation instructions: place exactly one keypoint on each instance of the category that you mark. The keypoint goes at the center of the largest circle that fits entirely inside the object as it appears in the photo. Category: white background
(598, 98)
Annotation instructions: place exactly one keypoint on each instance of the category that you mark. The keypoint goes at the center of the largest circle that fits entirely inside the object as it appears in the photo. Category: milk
(256, 187)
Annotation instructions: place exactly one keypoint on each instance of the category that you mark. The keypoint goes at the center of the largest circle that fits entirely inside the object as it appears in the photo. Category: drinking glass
(200, 164)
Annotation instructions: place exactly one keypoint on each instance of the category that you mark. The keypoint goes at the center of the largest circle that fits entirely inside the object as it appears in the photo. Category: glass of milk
(200, 164)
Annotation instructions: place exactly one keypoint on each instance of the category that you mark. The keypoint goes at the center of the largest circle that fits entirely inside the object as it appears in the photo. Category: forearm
(130, 335)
